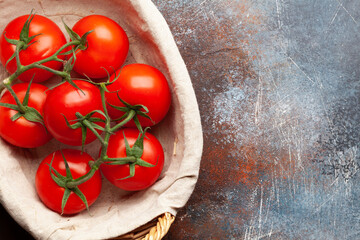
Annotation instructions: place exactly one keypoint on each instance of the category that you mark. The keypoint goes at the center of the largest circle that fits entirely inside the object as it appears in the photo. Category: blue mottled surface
(277, 83)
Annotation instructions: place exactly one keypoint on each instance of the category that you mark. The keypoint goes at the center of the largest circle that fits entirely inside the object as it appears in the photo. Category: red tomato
(44, 45)
(51, 194)
(140, 84)
(64, 101)
(21, 132)
(107, 46)
(144, 176)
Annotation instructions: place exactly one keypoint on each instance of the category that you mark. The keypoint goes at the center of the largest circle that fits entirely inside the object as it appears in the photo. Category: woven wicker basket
(180, 132)
(154, 230)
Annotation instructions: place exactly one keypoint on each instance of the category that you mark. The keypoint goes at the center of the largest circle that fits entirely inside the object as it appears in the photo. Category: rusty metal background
(278, 87)
(277, 83)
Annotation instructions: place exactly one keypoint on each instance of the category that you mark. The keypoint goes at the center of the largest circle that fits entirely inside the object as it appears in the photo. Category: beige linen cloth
(116, 212)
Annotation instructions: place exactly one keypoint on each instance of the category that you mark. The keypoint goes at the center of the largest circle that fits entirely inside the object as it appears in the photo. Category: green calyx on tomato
(139, 84)
(63, 181)
(55, 177)
(22, 108)
(75, 37)
(132, 110)
(75, 109)
(119, 150)
(24, 39)
(20, 124)
(87, 122)
(133, 156)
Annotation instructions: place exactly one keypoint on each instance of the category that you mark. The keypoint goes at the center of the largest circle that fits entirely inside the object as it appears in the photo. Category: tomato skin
(140, 84)
(107, 46)
(51, 194)
(144, 176)
(66, 100)
(46, 44)
(21, 132)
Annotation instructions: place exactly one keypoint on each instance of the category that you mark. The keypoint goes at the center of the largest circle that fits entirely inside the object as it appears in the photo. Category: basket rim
(155, 229)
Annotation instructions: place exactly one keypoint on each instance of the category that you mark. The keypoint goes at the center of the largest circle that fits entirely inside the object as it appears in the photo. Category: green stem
(91, 128)
(95, 166)
(123, 160)
(105, 142)
(21, 69)
(83, 178)
(103, 101)
(18, 48)
(130, 116)
(103, 154)
(62, 74)
(62, 48)
(18, 103)
(4, 83)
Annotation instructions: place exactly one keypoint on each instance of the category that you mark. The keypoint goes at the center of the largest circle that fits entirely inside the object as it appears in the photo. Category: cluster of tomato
(77, 112)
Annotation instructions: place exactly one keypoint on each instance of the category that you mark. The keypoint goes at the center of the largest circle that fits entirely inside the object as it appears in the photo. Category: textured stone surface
(277, 83)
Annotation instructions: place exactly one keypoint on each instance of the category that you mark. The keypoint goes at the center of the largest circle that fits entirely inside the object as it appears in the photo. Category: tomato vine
(97, 121)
